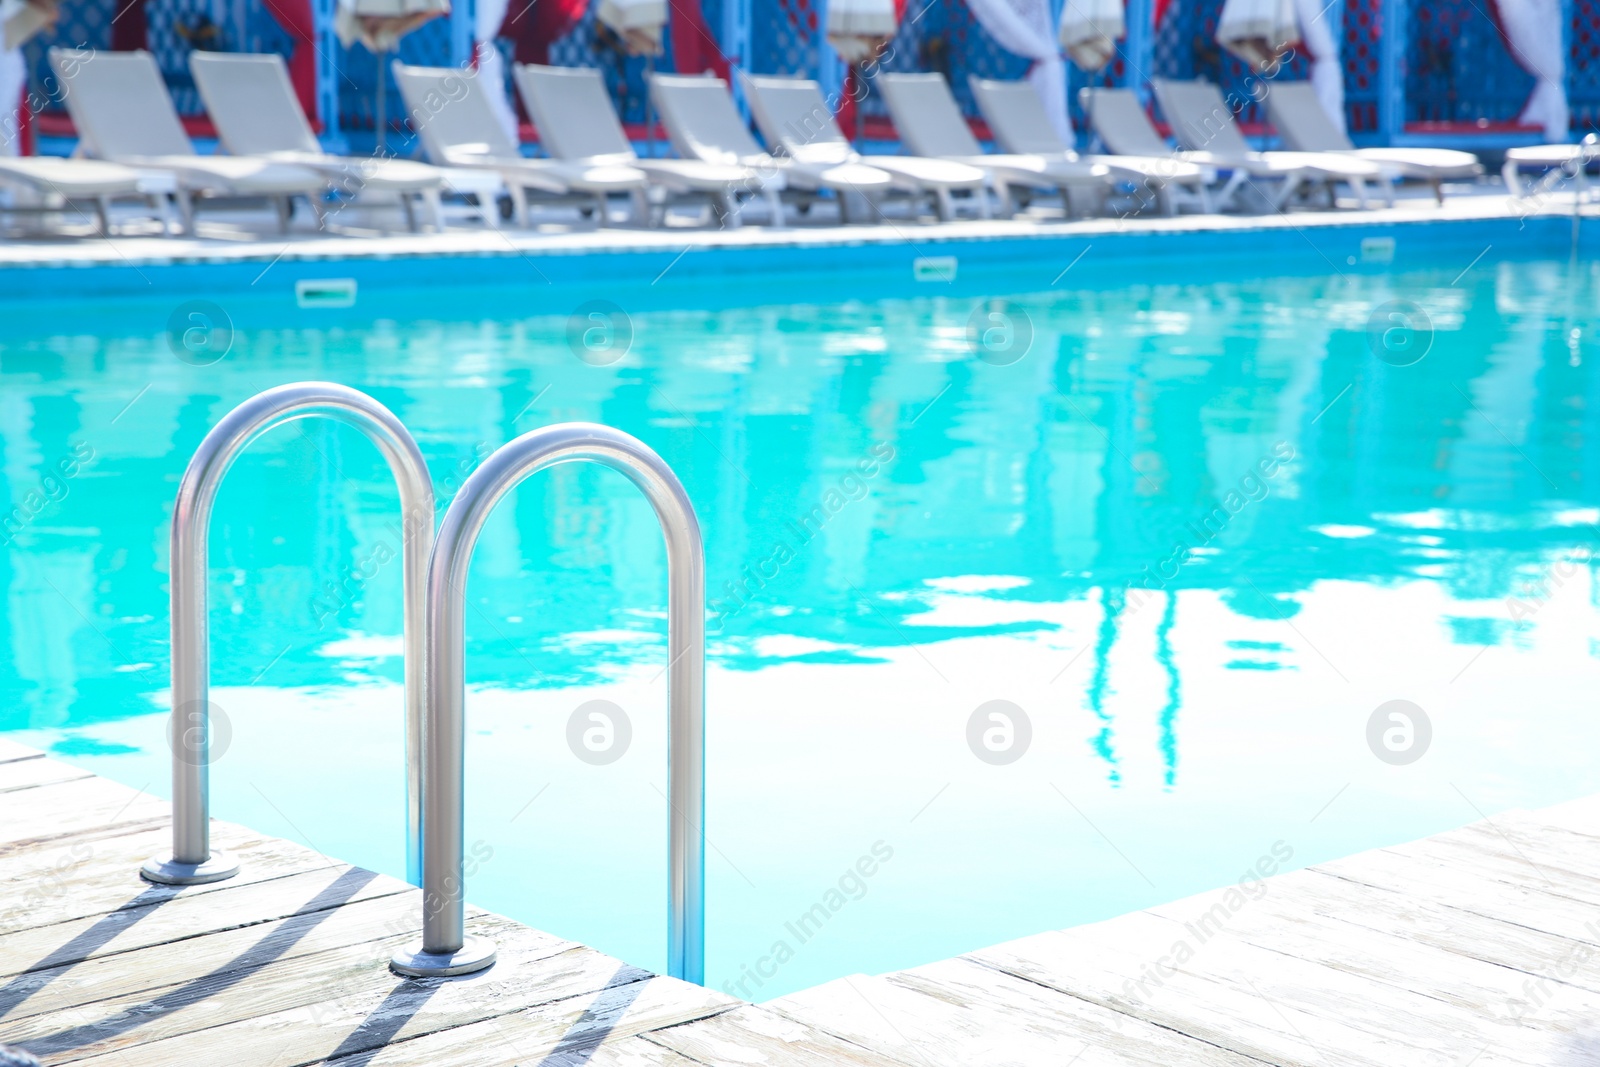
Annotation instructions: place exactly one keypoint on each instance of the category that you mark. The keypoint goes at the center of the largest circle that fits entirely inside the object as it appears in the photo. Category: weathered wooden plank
(11, 750)
(264, 985)
(190, 938)
(1369, 933)
(40, 770)
(633, 1052)
(559, 1032)
(752, 1035)
(1263, 1004)
(1581, 816)
(89, 804)
(1466, 894)
(1555, 859)
(338, 1003)
(48, 867)
(957, 1012)
(92, 878)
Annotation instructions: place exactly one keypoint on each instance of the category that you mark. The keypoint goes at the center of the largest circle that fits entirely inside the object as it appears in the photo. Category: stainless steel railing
(192, 860)
(444, 948)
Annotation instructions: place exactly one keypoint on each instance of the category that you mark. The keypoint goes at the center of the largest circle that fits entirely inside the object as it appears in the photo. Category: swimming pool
(1197, 522)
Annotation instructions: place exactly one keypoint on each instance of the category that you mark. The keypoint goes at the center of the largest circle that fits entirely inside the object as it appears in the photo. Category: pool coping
(304, 247)
(1467, 937)
(248, 282)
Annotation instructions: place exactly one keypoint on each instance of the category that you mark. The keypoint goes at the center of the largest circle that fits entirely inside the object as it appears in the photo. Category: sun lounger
(1120, 123)
(459, 128)
(930, 123)
(253, 105)
(703, 124)
(1203, 124)
(1305, 127)
(576, 122)
(792, 116)
(53, 184)
(1572, 160)
(1017, 118)
(123, 114)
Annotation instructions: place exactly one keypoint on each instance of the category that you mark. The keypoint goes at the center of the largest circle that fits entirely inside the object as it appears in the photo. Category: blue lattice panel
(1186, 48)
(1583, 64)
(175, 28)
(784, 37)
(1458, 69)
(946, 38)
(583, 46)
(426, 46)
(1359, 52)
(587, 45)
(82, 25)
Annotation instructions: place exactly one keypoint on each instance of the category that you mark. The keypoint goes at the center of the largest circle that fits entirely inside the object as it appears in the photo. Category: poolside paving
(1480, 946)
(246, 236)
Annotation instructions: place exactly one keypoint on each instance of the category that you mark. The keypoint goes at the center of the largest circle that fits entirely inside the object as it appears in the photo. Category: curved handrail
(444, 948)
(192, 860)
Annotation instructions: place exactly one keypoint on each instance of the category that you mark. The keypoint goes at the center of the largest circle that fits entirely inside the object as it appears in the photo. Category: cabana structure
(1405, 72)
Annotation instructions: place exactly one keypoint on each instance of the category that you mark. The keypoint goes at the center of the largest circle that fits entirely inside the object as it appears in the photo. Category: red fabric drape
(129, 30)
(694, 49)
(846, 111)
(534, 27)
(28, 143)
(297, 21)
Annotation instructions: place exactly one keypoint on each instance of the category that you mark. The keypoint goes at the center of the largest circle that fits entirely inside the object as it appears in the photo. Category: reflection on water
(1146, 512)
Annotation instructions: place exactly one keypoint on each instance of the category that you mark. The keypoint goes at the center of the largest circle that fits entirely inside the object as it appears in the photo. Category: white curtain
(491, 68)
(1320, 24)
(1534, 29)
(1025, 28)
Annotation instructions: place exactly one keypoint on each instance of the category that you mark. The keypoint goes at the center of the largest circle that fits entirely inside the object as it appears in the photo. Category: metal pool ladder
(444, 948)
(192, 860)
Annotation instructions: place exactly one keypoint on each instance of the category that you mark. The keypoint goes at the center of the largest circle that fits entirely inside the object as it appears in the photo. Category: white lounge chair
(792, 115)
(576, 122)
(122, 112)
(1572, 160)
(52, 184)
(1020, 125)
(703, 124)
(253, 105)
(459, 128)
(930, 123)
(1203, 124)
(1305, 127)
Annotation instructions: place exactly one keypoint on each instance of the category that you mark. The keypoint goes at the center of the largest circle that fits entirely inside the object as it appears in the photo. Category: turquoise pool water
(1199, 531)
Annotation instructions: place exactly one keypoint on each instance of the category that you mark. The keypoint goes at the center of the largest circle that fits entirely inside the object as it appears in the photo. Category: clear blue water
(983, 526)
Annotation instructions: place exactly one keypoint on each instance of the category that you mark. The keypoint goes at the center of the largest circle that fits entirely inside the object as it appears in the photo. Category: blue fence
(1454, 67)
(1460, 70)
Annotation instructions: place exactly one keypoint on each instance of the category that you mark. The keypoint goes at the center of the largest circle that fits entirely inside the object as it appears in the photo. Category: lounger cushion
(236, 176)
(692, 174)
(75, 177)
(1436, 163)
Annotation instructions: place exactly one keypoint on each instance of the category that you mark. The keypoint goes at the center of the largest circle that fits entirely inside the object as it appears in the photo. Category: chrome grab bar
(444, 948)
(192, 860)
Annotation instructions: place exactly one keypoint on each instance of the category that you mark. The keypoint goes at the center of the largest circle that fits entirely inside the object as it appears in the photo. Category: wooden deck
(1478, 947)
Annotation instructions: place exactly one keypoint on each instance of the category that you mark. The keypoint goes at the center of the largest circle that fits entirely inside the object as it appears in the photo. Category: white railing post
(444, 948)
(192, 860)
